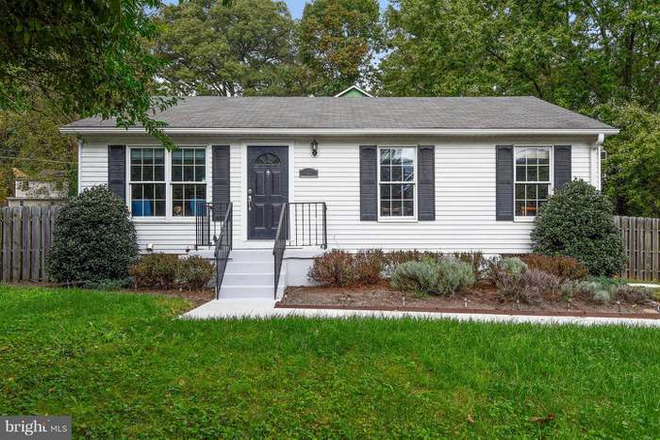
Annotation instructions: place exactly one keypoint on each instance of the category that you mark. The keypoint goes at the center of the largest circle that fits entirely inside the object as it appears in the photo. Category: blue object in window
(197, 205)
(141, 208)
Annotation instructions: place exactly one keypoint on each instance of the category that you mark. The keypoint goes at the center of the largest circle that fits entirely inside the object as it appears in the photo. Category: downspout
(594, 159)
(80, 147)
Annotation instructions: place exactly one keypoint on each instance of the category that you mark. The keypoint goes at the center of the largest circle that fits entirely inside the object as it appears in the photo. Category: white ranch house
(446, 174)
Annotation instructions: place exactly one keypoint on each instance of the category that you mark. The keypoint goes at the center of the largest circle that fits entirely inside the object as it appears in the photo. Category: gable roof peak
(354, 92)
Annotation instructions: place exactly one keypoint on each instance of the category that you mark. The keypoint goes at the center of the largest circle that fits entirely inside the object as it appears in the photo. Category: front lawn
(121, 365)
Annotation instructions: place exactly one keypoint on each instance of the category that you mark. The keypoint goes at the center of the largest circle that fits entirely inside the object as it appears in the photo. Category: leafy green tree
(84, 57)
(213, 48)
(632, 168)
(338, 40)
(30, 141)
(575, 53)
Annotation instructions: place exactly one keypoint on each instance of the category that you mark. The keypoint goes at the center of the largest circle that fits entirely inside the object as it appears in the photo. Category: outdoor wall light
(315, 148)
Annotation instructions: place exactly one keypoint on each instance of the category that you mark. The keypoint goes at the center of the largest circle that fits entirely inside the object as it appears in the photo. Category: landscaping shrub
(577, 222)
(369, 266)
(474, 259)
(442, 277)
(194, 273)
(631, 294)
(395, 258)
(607, 290)
(537, 286)
(93, 239)
(500, 271)
(566, 268)
(453, 275)
(416, 277)
(155, 271)
(334, 268)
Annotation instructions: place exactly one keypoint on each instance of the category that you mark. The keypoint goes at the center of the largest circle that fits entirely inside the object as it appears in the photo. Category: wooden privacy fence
(642, 240)
(26, 234)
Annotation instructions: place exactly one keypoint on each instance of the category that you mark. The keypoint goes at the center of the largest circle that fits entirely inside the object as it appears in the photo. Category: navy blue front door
(268, 189)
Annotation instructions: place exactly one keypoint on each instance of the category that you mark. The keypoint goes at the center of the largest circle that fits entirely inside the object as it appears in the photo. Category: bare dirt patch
(481, 298)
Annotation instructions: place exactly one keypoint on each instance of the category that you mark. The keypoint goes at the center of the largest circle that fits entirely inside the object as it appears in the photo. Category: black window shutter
(220, 181)
(426, 182)
(368, 183)
(504, 183)
(562, 165)
(117, 170)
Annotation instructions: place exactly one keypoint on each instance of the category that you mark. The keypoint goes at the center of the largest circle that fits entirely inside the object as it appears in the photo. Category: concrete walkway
(265, 308)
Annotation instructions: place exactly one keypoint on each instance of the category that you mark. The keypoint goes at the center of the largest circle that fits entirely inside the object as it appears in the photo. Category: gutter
(344, 131)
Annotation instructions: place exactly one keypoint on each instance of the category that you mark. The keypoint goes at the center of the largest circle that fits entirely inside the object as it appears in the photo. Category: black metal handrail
(280, 244)
(300, 224)
(209, 218)
(223, 247)
(308, 226)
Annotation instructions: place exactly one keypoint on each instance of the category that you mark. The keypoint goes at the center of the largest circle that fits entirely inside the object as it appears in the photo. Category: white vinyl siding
(464, 188)
(464, 199)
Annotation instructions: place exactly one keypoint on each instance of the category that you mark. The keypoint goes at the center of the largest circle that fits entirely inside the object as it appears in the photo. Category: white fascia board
(344, 131)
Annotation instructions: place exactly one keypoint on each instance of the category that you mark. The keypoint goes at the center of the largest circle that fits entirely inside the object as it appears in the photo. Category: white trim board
(346, 131)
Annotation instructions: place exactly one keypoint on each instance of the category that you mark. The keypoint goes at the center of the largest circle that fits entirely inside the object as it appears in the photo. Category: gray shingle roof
(369, 113)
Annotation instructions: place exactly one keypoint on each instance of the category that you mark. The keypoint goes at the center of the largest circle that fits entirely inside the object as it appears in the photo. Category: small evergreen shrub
(194, 273)
(155, 271)
(500, 271)
(416, 277)
(395, 258)
(93, 239)
(631, 294)
(442, 277)
(601, 291)
(474, 259)
(577, 222)
(334, 268)
(566, 268)
(453, 275)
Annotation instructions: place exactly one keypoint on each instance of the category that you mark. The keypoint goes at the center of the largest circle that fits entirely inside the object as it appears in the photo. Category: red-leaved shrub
(565, 268)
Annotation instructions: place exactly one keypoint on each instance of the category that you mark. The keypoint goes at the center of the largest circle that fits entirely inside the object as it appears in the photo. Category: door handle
(249, 203)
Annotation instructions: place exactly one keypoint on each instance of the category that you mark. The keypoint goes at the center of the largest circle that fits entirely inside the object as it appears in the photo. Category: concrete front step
(249, 291)
(249, 274)
(252, 278)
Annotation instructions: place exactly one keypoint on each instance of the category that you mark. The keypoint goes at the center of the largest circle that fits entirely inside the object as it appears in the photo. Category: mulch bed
(481, 299)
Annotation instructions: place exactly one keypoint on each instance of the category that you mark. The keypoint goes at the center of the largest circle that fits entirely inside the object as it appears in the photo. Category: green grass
(122, 365)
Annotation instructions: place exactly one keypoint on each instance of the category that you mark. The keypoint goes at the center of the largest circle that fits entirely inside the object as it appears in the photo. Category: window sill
(163, 219)
(524, 219)
(397, 220)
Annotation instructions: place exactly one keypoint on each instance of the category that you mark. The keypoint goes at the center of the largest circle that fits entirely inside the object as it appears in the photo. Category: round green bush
(93, 239)
(578, 222)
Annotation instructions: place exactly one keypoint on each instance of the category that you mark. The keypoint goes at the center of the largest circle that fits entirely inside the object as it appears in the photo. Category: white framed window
(188, 181)
(147, 187)
(533, 179)
(397, 182)
(164, 184)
